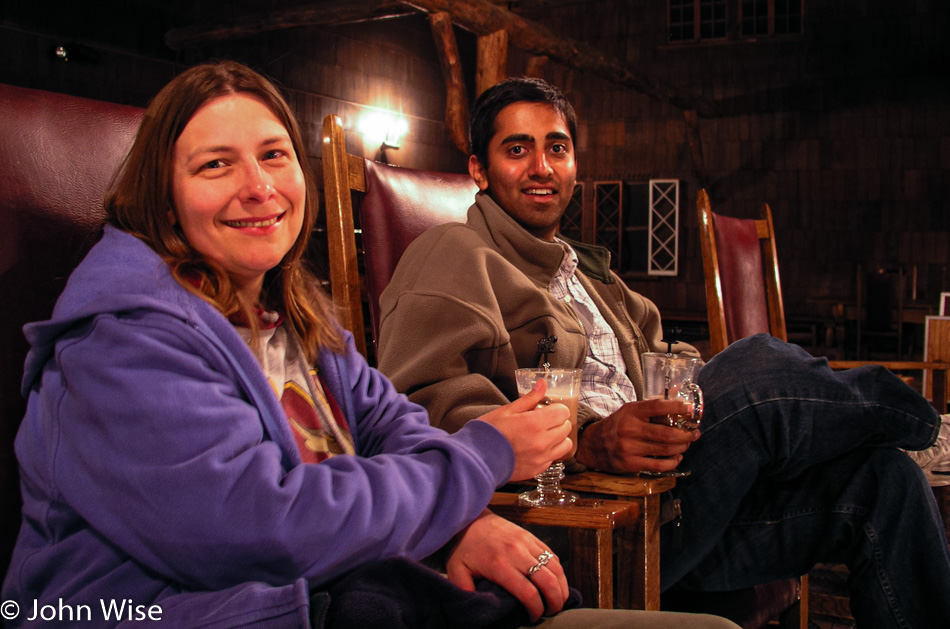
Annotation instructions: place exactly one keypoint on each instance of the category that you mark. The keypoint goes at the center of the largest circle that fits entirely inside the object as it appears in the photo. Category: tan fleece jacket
(468, 304)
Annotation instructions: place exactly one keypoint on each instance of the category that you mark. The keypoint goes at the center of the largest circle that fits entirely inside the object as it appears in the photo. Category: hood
(119, 274)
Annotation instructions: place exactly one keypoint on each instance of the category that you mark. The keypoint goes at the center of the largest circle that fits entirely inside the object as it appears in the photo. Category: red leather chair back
(744, 294)
(400, 204)
(57, 156)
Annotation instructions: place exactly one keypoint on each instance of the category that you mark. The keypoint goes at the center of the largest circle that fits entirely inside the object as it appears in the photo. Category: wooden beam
(317, 14)
(492, 68)
(483, 18)
(456, 99)
(479, 16)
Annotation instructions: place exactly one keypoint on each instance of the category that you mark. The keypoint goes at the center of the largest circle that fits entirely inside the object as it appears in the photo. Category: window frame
(771, 19)
(733, 21)
(698, 22)
(610, 203)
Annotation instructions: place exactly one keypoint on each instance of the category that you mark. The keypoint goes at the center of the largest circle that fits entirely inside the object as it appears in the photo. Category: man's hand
(538, 435)
(626, 441)
(500, 551)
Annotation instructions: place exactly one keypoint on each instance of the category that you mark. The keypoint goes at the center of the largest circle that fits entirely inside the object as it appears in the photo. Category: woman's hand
(500, 551)
(626, 441)
(538, 435)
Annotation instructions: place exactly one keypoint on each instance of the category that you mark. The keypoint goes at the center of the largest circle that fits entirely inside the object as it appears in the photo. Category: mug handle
(696, 395)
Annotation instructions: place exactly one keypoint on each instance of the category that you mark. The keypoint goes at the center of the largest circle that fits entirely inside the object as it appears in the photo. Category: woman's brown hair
(139, 201)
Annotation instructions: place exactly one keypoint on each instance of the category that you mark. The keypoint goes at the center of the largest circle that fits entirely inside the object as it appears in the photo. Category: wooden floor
(828, 598)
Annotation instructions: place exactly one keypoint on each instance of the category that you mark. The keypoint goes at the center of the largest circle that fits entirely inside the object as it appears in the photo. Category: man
(796, 464)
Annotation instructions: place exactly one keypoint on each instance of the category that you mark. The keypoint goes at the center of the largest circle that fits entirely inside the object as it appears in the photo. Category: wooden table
(624, 496)
(591, 524)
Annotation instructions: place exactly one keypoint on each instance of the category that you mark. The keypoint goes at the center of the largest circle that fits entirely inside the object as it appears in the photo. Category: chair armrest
(586, 513)
(626, 485)
(893, 365)
(607, 484)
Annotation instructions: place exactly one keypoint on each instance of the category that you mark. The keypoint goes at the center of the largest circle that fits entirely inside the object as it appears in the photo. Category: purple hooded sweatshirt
(158, 468)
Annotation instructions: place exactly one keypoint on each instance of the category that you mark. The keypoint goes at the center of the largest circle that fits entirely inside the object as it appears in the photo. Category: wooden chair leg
(638, 559)
(803, 605)
(590, 568)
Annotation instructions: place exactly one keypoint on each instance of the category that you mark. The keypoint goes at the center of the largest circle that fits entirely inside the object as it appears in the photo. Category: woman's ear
(477, 171)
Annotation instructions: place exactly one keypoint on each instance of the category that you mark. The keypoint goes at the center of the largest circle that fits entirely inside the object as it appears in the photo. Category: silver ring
(543, 560)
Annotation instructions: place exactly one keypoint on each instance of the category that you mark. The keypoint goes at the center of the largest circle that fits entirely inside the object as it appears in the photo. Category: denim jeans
(797, 465)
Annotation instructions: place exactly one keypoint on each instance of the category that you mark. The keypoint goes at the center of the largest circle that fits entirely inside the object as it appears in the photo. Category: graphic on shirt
(314, 443)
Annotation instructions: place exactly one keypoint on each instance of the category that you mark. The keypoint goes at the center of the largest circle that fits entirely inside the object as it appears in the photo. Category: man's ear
(477, 171)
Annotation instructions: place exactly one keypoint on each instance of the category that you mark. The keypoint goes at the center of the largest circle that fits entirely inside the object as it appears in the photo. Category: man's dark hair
(509, 91)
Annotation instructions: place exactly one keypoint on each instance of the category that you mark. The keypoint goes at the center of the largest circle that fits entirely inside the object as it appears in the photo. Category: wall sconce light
(384, 128)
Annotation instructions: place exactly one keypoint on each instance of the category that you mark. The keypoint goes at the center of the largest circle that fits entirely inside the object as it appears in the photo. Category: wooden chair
(744, 296)
(744, 291)
(398, 204)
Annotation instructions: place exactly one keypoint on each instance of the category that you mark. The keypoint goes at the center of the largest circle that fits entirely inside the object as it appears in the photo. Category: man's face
(531, 169)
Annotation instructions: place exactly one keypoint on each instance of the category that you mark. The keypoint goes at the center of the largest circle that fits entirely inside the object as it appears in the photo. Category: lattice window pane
(682, 20)
(608, 205)
(572, 220)
(712, 19)
(788, 16)
(664, 227)
(755, 17)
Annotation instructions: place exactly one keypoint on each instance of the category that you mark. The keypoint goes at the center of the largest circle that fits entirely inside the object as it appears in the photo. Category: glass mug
(673, 377)
(563, 387)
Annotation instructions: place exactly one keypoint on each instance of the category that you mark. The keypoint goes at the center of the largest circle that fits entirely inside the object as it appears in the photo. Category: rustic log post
(492, 60)
(456, 99)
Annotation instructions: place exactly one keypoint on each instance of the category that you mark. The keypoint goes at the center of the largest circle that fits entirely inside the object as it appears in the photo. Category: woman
(203, 445)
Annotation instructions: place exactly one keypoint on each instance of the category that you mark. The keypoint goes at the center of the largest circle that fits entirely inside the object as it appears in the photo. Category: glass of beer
(563, 387)
(673, 377)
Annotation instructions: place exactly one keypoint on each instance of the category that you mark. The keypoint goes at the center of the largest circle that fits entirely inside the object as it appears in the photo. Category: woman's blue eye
(216, 163)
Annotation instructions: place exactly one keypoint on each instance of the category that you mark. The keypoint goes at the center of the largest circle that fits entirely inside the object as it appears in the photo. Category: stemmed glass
(672, 377)
(564, 387)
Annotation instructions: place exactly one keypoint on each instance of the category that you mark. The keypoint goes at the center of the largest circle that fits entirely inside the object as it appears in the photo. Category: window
(664, 226)
(699, 20)
(571, 221)
(608, 213)
(771, 17)
(639, 224)
(682, 20)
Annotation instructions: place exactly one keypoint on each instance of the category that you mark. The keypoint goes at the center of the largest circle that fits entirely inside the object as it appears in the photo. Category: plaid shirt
(605, 386)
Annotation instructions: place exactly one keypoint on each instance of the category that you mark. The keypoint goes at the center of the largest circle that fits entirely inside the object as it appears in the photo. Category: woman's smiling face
(238, 188)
